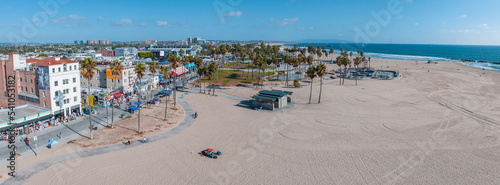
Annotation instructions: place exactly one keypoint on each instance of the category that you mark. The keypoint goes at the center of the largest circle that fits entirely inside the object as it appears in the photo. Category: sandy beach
(437, 124)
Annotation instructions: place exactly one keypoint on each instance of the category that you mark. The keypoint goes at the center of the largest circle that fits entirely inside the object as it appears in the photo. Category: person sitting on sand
(144, 139)
(128, 142)
(195, 114)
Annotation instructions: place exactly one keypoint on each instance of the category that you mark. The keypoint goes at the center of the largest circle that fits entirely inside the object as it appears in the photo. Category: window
(25, 89)
(74, 80)
(112, 81)
(53, 70)
(58, 69)
(57, 93)
(32, 90)
(55, 83)
(21, 88)
(118, 81)
(65, 81)
(31, 81)
(70, 68)
(98, 78)
(44, 104)
(74, 89)
(20, 79)
(43, 93)
(65, 91)
(57, 103)
(65, 69)
(25, 80)
(74, 98)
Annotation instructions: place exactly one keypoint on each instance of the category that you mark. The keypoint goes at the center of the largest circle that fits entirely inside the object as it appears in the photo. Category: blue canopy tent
(190, 65)
(168, 92)
(138, 103)
(132, 109)
(51, 142)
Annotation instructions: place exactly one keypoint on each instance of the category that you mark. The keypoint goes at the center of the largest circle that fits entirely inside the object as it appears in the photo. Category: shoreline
(420, 58)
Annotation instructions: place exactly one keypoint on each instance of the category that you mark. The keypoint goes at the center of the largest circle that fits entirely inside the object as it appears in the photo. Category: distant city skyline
(396, 21)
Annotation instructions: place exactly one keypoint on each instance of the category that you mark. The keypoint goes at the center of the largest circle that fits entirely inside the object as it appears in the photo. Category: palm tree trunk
(166, 102)
(90, 110)
(310, 92)
(286, 75)
(356, 75)
(113, 105)
(204, 87)
(139, 115)
(340, 77)
(320, 88)
(175, 90)
(200, 84)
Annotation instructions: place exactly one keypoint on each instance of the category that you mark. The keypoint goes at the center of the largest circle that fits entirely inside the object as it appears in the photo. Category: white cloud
(285, 22)
(462, 16)
(485, 26)
(233, 14)
(161, 23)
(76, 17)
(311, 28)
(444, 22)
(124, 22)
(467, 31)
(416, 24)
(59, 20)
(144, 24)
(101, 18)
(36, 20)
(301, 28)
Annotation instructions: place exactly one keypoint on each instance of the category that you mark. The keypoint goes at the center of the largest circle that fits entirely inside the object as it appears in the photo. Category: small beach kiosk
(270, 100)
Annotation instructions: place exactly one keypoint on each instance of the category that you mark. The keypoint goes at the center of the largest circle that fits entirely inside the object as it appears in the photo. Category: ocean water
(487, 57)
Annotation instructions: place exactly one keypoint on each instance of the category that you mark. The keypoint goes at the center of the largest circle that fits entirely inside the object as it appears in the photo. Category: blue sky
(418, 22)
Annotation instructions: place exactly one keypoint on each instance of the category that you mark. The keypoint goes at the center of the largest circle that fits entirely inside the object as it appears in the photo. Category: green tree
(43, 55)
(140, 70)
(174, 62)
(116, 70)
(165, 70)
(320, 71)
(311, 73)
(88, 68)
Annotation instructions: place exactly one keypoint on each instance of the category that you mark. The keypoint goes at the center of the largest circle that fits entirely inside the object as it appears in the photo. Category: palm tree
(140, 69)
(116, 69)
(212, 68)
(311, 73)
(88, 68)
(357, 61)
(174, 62)
(339, 63)
(369, 62)
(251, 55)
(288, 60)
(320, 71)
(200, 73)
(153, 68)
(165, 70)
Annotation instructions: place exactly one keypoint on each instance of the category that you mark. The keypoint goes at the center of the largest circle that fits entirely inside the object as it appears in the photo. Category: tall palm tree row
(88, 68)
(140, 69)
(116, 70)
(165, 70)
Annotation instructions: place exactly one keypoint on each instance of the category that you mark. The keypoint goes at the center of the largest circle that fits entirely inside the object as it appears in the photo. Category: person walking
(60, 135)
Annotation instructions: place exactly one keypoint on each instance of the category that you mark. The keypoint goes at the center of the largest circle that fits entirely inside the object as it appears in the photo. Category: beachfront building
(50, 83)
(161, 51)
(104, 80)
(270, 100)
(126, 52)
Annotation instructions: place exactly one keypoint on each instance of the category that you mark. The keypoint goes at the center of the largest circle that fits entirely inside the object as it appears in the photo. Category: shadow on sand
(245, 104)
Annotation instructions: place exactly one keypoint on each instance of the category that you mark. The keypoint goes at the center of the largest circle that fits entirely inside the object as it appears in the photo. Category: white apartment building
(58, 79)
(126, 51)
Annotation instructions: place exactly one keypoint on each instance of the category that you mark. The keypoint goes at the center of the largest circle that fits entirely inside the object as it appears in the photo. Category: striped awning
(179, 71)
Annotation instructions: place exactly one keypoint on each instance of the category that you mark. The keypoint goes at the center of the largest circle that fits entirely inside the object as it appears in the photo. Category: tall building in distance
(193, 40)
(91, 42)
(124, 52)
(80, 42)
(104, 42)
(146, 42)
